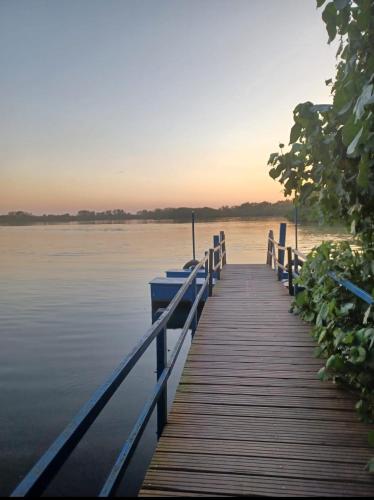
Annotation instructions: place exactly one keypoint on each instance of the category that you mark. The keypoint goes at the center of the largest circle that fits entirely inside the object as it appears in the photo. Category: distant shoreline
(140, 221)
(181, 214)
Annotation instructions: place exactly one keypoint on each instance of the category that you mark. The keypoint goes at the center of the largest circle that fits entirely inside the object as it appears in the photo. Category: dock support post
(289, 269)
(217, 256)
(162, 355)
(281, 252)
(211, 259)
(223, 247)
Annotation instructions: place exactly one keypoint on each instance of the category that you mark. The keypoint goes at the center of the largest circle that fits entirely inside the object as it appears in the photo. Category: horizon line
(41, 213)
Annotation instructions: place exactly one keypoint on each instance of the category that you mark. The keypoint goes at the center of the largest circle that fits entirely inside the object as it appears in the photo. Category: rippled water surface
(74, 299)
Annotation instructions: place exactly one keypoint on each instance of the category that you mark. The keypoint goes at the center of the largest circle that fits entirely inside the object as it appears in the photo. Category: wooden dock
(250, 416)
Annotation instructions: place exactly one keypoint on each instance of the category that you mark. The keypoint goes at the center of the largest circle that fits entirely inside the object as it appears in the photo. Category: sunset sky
(151, 103)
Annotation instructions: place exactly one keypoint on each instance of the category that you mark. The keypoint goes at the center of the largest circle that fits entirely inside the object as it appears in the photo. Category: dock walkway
(250, 416)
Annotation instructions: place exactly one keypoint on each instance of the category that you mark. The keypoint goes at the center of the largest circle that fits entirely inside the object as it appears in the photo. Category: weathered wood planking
(250, 417)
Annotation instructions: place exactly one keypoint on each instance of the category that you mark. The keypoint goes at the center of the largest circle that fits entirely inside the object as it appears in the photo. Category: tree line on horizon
(255, 209)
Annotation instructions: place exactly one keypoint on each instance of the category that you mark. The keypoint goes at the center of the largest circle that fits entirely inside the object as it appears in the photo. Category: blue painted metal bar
(281, 248)
(50, 463)
(211, 265)
(356, 290)
(194, 292)
(193, 237)
(128, 449)
(183, 273)
(217, 257)
(348, 285)
(161, 363)
(116, 474)
(300, 258)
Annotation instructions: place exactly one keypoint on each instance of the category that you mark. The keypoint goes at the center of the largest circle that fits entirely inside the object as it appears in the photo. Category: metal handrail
(272, 252)
(124, 457)
(347, 284)
(283, 267)
(40, 476)
(296, 258)
(274, 242)
(356, 290)
(299, 254)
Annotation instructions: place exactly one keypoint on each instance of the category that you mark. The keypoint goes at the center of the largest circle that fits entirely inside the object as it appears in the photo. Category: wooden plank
(341, 454)
(255, 390)
(255, 381)
(264, 412)
(284, 401)
(201, 461)
(250, 416)
(250, 485)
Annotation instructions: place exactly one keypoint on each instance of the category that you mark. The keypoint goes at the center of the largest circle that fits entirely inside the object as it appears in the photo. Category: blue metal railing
(356, 290)
(295, 260)
(43, 472)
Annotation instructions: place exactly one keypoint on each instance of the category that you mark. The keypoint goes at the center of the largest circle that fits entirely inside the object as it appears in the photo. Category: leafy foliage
(330, 165)
(331, 155)
(344, 326)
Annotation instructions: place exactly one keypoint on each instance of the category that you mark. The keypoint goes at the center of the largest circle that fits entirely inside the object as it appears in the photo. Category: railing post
(282, 243)
(296, 267)
(289, 268)
(194, 295)
(271, 248)
(268, 256)
(211, 260)
(217, 257)
(161, 354)
(223, 247)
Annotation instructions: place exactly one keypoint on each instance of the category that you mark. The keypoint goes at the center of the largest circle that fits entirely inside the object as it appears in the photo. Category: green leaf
(345, 308)
(371, 439)
(322, 315)
(320, 3)
(322, 374)
(309, 316)
(357, 355)
(350, 130)
(272, 158)
(295, 133)
(330, 16)
(365, 98)
(366, 316)
(353, 145)
(348, 339)
(363, 172)
(370, 466)
(301, 298)
(343, 110)
(321, 108)
(341, 4)
(322, 336)
(335, 362)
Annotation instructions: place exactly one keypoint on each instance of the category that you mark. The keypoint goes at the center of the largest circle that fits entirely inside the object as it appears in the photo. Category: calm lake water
(74, 300)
